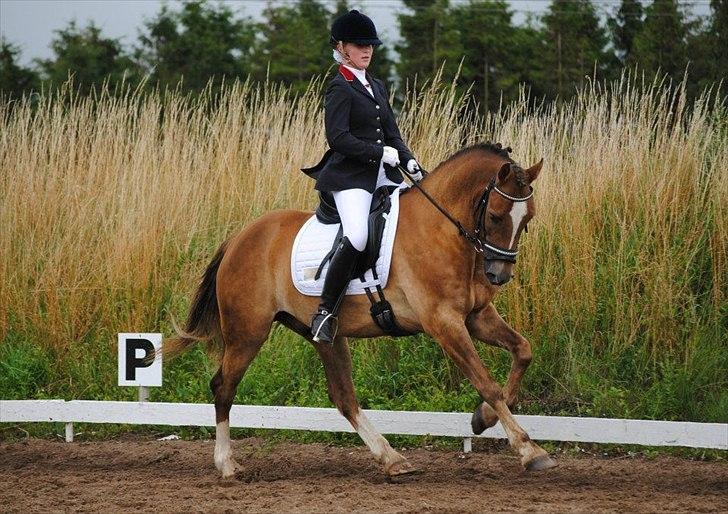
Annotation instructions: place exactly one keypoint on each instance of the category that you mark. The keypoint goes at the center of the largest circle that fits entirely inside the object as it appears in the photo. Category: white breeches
(353, 206)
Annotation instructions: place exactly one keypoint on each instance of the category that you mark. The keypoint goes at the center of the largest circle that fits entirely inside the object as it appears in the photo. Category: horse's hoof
(399, 468)
(229, 469)
(478, 424)
(540, 463)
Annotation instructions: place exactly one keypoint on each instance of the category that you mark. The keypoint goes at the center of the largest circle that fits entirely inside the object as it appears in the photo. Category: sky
(30, 24)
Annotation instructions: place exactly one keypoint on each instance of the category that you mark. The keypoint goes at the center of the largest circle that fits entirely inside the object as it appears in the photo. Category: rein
(481, 245)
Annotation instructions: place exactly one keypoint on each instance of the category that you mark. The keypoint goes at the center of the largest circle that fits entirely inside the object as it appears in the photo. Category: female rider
(365, 149)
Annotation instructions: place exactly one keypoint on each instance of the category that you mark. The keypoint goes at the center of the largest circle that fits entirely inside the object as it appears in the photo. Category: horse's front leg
(487, 325)
(449, 329)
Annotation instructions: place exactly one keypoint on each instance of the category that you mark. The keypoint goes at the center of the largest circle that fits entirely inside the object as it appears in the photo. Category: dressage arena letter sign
(134, 369)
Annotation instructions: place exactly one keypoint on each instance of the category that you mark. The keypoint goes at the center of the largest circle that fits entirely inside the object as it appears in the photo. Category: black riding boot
(324, 322)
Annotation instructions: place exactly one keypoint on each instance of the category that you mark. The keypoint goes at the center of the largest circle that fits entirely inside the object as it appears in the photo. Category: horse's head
(508, 204)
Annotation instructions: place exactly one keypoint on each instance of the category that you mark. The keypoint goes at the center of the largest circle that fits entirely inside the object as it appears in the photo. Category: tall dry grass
(110, 207)
(632, 224)
(110, 204)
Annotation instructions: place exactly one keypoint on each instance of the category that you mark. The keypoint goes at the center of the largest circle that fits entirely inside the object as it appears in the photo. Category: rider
(366, 147)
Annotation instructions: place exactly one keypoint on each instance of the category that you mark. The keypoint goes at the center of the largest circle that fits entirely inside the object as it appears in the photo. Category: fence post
(143, 394)
(467, 445)
(69, 432)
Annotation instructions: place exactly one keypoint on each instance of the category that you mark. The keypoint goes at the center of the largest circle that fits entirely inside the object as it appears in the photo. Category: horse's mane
(496, 149)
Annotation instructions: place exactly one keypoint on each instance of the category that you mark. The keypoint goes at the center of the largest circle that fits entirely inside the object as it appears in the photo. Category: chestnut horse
(440, 283)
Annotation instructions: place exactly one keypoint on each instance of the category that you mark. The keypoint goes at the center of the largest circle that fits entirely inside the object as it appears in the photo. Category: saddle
(326, 213)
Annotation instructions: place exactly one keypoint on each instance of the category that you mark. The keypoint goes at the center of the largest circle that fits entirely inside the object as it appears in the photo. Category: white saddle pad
(315, 240)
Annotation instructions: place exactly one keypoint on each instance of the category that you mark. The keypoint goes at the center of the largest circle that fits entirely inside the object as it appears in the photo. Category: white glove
(390, 156)
(415, 171)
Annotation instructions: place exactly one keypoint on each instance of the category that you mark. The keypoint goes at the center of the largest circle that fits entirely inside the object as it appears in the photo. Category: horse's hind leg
(488, 326)
(337, 364)
(242, 343)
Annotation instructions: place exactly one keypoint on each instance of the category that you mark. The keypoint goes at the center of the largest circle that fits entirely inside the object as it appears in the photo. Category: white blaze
(518, 212)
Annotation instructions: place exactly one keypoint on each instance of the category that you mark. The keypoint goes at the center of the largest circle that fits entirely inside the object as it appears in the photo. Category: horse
(445, 271)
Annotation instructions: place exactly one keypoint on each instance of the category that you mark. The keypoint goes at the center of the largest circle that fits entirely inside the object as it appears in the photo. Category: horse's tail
(203, 320)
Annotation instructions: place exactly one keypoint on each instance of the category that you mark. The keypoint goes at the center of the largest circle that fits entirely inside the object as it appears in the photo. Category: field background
(112, 205)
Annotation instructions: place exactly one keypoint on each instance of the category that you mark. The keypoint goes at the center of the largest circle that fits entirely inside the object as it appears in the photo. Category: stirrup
(325, 330)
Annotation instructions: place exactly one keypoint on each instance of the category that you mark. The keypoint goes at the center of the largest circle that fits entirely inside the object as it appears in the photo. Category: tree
(575, 45)
(624, 28)
(295, 43)
(430, 40)
(719, 39)
(199, 43)
(489, 38)
(706, 44)
(528, 50)
(699, 48)
(662, 43)
(14, 79)
(341, 7)
(87, 56)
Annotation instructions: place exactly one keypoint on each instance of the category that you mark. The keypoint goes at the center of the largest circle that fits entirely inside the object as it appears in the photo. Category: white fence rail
(453, 424)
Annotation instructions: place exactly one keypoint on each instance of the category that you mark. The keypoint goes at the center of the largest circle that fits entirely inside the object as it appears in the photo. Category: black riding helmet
(354, 27)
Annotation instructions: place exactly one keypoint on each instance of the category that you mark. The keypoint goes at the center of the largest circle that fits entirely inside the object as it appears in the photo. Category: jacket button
(378, 130)
(377, 107)
(377, 118)
(379, 141)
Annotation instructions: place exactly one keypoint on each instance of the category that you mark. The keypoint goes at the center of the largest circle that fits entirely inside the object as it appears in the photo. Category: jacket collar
(354, 82)
(346, 72)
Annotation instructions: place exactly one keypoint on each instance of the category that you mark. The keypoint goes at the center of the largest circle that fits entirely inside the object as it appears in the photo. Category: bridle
(478, 238)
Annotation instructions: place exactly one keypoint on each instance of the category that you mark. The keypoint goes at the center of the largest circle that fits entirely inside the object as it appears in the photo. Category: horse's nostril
(498, 279)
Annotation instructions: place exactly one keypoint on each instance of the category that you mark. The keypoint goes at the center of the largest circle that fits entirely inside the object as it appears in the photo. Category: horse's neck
(458, 185)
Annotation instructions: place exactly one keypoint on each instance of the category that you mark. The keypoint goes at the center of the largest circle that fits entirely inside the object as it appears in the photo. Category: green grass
(566, 377)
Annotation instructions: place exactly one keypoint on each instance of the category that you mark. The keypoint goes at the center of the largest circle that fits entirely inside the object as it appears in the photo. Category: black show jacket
(358, 127)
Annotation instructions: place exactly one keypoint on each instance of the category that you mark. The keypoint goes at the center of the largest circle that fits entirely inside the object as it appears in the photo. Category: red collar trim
(346, 72)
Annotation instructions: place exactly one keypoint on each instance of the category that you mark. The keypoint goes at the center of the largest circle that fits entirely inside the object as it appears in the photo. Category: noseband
(490, 251)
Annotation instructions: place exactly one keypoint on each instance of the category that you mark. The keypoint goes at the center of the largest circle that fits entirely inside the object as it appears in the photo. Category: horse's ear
(534, 170)
(504, 171)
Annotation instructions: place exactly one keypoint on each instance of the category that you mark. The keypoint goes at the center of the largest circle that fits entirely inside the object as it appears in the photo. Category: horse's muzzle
(499, 279)
(498, 272)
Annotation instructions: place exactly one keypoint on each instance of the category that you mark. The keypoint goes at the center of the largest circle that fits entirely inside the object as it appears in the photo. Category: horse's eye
(495, 219)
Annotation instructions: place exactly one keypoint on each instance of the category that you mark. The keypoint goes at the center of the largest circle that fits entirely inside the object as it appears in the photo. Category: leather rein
(481, 245)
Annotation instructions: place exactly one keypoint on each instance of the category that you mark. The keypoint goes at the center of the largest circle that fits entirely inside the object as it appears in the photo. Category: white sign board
(134, 350)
